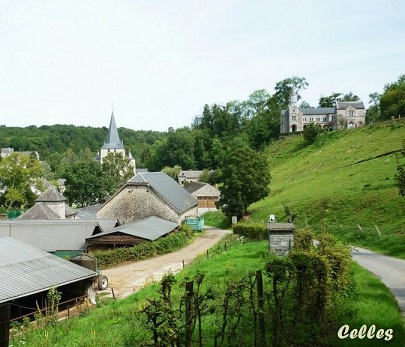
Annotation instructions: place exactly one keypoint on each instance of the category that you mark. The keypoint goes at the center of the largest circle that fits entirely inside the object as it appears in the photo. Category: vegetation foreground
(303, 303)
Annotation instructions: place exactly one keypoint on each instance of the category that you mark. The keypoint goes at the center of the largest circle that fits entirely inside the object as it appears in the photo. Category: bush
(254, 231)
(143, 250)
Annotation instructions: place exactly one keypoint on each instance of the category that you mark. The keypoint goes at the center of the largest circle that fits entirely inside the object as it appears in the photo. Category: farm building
(28, 273)
(206, 194)
(132, 233)
(61, 236)
(149, 194)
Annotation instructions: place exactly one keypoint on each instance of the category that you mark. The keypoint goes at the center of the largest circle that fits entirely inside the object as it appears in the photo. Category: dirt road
(391, 271)
(130, 277)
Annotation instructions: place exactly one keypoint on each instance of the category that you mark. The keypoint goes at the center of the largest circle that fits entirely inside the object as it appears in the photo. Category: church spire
(113, 139)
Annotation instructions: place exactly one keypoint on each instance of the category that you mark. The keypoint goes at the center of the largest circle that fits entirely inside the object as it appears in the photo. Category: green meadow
(343, 183)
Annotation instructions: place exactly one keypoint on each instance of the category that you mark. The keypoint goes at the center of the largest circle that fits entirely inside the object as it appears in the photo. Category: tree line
(210, 142)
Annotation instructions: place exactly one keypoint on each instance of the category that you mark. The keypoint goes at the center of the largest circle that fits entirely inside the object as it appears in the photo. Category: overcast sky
(156, 63)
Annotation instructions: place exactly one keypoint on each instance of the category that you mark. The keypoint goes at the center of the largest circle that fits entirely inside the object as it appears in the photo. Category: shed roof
(202, 189)
(169, 190)
(150, 228)
(54, 235)
(26, 270)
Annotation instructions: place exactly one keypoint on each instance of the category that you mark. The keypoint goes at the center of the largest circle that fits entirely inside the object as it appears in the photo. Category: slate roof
(317, 110)
(26, 270)
(342, 105)
(280, 226)
(201, 189)
(167, 188)
(150, 229)
(51, 195)
(113, 140)
(54, 235)
(89, 212)
(191, 174)
(39, 211)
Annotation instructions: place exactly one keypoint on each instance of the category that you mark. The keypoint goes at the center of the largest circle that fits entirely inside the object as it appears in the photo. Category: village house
(149, 194)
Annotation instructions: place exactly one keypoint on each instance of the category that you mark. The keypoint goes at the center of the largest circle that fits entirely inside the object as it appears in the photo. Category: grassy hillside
(339, 183)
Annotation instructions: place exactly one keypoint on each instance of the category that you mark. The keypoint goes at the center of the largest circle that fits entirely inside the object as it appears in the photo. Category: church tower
(113, 144)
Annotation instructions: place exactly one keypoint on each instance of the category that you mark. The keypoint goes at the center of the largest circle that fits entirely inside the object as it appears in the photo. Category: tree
(400, 176)
(17, 172)
(373, 112)
(310, 133)
(392, 101)
(86, 184)
(117, 169)
(245, 178)
(330, 101)
(285, 87)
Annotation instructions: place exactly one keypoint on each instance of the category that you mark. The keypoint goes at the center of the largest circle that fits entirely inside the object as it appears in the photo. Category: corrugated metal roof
(26, 270)
(150, 228)
(165, 186)
(53, 235)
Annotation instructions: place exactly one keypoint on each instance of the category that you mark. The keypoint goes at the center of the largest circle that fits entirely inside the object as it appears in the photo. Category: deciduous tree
(245, 178)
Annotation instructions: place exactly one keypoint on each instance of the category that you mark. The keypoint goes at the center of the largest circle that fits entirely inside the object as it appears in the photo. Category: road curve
(391, 271)
(130, 277)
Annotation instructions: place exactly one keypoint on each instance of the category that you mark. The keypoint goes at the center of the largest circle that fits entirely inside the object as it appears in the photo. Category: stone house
(149, 194)
(345, 115)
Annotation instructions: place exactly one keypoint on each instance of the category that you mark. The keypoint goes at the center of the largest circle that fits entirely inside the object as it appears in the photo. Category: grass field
(120, 323)
(328, 186)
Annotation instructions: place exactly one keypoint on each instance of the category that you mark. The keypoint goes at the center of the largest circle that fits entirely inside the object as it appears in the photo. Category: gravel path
(130, 277)
(391, 271)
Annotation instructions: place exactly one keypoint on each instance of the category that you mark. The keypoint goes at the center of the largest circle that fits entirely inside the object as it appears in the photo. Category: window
(351, 113)
(294, 118)
(311, 119)
(318, 119)
(325, 119)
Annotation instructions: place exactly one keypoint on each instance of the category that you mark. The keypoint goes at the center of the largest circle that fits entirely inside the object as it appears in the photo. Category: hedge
(142, 250)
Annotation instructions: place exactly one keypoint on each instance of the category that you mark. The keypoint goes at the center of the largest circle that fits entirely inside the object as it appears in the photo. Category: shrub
(254, 231)
(143, 250)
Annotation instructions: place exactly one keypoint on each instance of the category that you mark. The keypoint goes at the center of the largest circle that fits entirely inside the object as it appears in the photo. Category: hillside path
(391, 271)
(130, 277)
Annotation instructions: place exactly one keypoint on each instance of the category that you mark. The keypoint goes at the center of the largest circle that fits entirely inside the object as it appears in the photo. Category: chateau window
(318, 119)
(325, 119)
(305, 119)
(294, 118)
(311, 119)
(351, 113)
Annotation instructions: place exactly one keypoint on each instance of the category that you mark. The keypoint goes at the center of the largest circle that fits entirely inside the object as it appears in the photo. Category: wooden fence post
(260, 306)
(189, 313)
(4, 325)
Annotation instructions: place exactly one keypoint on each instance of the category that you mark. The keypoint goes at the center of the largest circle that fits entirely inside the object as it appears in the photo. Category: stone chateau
(345, 115)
